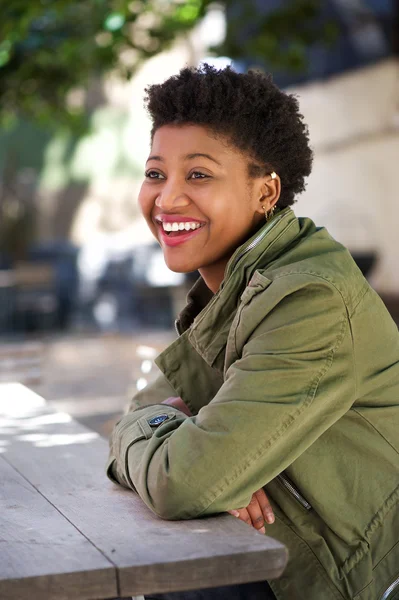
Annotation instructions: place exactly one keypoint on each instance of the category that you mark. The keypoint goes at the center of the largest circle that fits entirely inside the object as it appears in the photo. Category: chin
(180, 264)
(181, 268)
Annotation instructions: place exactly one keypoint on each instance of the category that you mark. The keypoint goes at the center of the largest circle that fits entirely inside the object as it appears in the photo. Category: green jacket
(292, 373)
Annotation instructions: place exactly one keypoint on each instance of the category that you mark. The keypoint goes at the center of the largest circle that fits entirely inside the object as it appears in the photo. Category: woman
(287, 363)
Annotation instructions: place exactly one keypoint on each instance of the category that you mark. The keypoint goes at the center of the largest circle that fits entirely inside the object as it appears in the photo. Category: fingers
(242, 514)
(257, 512)
(256, 515)
(265, 506)
(252, 515)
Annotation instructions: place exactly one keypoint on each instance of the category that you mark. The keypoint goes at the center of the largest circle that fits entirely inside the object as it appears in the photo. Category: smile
(180, 226)
(174, 233)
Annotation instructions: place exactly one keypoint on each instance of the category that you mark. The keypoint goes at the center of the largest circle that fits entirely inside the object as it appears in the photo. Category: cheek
(234, 209)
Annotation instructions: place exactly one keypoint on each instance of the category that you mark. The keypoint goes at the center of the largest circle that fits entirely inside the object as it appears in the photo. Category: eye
(151, 174)
(198, 175)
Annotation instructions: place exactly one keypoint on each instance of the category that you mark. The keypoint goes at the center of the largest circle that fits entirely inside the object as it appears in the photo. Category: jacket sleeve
(293, 379)
(154, 393)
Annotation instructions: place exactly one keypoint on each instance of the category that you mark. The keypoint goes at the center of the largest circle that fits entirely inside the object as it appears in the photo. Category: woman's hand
(257, 512)
(179, 404)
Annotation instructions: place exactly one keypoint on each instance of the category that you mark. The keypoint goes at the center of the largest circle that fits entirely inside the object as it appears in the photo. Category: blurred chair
(36, 302)
(61, 257)
(7, 300)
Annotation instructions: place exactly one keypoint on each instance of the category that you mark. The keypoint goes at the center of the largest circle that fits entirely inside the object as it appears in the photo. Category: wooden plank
(189, 555)
(42, 554)
(65, 461)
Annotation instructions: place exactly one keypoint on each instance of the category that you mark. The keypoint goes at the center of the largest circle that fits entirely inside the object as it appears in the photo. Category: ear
(268, 190)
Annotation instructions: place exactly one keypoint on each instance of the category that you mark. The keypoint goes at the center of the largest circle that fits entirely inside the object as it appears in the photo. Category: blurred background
(86, 301)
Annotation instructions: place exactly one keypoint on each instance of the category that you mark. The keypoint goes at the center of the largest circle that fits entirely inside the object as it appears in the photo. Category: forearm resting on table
(255, 514)
(115, 473)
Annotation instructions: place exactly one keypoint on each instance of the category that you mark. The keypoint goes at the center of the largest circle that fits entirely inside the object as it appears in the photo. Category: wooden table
(66, 532)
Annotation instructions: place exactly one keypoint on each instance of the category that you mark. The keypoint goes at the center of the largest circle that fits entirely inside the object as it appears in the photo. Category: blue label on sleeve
(155, 421)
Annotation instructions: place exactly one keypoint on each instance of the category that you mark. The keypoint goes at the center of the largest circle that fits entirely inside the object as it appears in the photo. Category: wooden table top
(67, 532)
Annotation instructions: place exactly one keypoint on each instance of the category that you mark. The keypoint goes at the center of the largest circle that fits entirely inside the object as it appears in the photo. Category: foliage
(49, 48)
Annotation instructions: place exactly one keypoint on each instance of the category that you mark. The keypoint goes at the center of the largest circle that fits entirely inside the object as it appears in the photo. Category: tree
(49, 48)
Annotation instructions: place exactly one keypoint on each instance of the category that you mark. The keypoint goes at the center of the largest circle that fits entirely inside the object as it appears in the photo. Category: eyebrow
(201, 154)
(188, 157)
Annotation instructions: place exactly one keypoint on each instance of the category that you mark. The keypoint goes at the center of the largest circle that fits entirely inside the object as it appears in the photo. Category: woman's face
(198, 200)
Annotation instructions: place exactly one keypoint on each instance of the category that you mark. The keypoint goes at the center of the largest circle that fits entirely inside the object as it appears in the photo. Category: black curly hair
(248, 109)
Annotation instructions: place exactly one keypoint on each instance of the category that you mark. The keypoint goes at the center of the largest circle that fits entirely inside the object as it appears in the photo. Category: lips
(175, 229)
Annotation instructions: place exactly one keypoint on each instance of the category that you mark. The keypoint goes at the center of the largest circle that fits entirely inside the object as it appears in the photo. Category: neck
(213, 275)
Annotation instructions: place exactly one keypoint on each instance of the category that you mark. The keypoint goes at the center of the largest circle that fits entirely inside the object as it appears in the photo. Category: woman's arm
(294, 379)
(155, 393)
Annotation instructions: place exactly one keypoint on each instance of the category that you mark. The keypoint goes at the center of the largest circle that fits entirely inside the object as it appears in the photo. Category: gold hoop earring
(268, 215)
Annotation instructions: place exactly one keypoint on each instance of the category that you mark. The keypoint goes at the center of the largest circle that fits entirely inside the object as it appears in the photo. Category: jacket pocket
(294, 492)
(257, 284)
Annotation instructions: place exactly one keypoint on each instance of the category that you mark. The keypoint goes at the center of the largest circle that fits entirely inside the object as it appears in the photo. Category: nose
(172, 196)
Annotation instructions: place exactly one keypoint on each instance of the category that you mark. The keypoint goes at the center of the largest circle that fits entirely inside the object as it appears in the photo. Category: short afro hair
(249, 110)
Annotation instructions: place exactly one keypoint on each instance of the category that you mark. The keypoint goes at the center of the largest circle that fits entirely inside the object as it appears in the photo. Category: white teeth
(180, 226)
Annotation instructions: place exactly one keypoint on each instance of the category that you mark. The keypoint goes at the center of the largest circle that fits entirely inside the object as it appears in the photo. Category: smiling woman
(279, 401)
(211, 191)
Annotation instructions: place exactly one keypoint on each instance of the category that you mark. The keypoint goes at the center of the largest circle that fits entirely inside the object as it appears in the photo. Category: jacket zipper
(390, 589)
(177, 327)
(255, 242)
(293, 491)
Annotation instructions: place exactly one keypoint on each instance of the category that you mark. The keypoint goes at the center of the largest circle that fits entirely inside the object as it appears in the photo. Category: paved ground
(93, 377)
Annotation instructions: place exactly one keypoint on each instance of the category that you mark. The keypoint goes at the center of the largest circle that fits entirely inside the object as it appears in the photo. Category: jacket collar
(207, 318)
